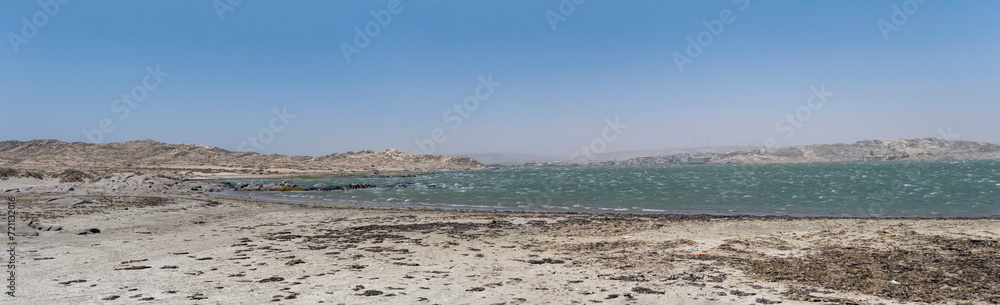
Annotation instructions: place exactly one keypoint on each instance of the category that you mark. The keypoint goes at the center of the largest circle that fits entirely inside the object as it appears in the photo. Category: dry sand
(206, 248)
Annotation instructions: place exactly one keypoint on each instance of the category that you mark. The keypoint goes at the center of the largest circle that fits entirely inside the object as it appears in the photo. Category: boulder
(89, 231)
(355, 186)
(41, 227)
(23, 228)
(249, 187)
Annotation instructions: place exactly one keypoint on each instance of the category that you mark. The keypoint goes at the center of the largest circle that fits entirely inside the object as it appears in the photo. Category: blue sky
(223, 79)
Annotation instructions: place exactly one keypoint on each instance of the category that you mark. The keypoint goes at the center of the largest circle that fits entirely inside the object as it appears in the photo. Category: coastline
(208, 247)
(567, 210)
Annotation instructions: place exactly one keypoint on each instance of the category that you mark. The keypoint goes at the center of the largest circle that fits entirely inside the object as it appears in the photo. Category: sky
(559, 78)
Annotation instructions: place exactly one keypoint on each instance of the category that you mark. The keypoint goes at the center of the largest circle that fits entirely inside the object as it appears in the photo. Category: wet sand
(209, 248)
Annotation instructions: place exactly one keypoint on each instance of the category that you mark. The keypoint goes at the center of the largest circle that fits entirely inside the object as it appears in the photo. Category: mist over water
(885, 189)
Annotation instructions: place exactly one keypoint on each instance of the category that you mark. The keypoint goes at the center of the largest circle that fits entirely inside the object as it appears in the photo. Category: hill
(51, 155)
(924, 148)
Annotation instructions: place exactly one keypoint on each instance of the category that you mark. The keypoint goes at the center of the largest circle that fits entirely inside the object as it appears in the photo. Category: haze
(537, 77)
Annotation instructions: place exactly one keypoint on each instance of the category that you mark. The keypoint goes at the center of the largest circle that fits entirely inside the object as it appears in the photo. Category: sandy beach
(208, 248)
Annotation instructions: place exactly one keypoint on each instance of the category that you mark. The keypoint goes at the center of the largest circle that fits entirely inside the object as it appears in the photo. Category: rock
(40, 227)
(89, 231)
(355, 186)
(255, 187)
(272, 279)
(13, 190)
(67, 201)
(23, 228)
(142, 231)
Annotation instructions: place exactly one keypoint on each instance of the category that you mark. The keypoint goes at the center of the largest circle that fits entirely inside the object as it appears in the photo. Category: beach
(199, 247)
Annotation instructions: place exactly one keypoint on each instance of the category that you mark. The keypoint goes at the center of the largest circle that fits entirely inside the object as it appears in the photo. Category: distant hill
(622, 155)
(516, 158)
(924, 148)
(149, 154)
(511, 158)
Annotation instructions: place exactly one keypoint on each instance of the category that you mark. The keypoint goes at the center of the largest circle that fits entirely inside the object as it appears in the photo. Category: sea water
(882, 189)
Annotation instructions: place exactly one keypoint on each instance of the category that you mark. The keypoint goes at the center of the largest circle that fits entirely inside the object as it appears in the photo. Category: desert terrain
(146, 234)
(110, 242)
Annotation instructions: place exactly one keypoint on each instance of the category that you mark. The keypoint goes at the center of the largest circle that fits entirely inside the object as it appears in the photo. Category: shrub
(7, 173)
(31, 174)
(72, 175)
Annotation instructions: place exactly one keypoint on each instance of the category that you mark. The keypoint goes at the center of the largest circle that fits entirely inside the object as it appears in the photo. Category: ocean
(969, 188)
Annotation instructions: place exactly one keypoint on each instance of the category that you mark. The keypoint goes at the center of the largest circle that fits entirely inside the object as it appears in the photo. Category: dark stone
(67, 201)
(545, 261)
(272, 279)
(89, 231)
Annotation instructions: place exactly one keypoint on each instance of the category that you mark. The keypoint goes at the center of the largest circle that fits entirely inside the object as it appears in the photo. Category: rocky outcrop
(288, 186)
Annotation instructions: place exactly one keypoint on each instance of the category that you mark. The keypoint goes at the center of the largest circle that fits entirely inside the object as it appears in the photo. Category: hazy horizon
(545, 78)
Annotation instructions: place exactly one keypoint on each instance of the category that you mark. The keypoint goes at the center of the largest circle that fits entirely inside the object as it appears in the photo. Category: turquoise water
(885, 189)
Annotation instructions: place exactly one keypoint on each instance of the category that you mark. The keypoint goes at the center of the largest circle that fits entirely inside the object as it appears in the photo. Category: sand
(208, 248)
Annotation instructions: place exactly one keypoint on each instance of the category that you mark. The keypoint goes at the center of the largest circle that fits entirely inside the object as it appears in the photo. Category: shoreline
(591, 211)
(177, 245)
